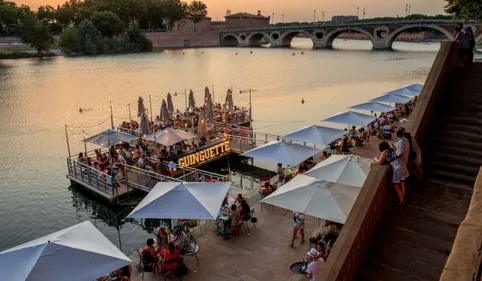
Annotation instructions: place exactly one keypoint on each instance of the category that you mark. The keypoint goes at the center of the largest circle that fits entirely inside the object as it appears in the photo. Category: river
(40, 96)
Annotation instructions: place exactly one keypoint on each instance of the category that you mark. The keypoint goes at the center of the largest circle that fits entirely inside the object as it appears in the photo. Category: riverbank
(25, 55)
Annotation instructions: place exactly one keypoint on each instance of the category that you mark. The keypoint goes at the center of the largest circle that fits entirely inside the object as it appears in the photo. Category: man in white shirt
(403, 147)
(315, 266)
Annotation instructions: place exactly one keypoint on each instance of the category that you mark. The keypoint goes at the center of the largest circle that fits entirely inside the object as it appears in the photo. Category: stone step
(456, 142)
(407, 258)
(464, 120)
(426, 215)
(449, 176)
(424, 228)
(453, 148)
(413, 238)
(449, 185)
(463, 168)
(459, 128)
(372, 271)
(455, 158)
(466, 135)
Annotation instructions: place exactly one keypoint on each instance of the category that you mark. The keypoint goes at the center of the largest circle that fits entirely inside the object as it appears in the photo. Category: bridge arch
(288, 36)
(256, 38)
(391, 38)
(230, 40)
(331, 36)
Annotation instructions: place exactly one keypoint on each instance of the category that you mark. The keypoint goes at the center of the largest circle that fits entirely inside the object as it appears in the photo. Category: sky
(303, 10)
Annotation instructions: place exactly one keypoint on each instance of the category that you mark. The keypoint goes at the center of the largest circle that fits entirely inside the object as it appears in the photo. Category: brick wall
(176, 40)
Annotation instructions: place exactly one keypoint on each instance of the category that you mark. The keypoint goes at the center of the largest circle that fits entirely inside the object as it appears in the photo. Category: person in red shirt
(171, 259)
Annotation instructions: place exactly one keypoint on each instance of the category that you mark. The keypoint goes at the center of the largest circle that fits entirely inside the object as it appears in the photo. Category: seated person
(163, 238)
(172, 258)
(150, 254)
(266, 188)
(124, 273)
(324, 155)
(239, 198)
(302, 168)
(244, 211)
(180, 241)
(234, 217)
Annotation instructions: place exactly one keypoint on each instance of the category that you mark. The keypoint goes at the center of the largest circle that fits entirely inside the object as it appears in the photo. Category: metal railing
(144, 180)
(90, 176)
(190, 174)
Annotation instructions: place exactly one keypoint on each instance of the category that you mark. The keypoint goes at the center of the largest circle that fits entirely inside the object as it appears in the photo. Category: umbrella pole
(111, 117)
(214, 99)
(130, 118)
(185, 99)
(67, 139)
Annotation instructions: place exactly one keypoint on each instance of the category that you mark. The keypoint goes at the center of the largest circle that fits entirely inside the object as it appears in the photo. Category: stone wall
(177, 40)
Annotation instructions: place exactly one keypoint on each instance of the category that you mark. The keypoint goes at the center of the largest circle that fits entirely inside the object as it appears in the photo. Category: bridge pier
(381, 44)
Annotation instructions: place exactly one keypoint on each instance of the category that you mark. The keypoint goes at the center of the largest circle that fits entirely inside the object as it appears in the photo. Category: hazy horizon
(294, 11)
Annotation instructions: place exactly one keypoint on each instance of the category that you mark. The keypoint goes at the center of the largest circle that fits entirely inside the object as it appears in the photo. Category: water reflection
(114, 217)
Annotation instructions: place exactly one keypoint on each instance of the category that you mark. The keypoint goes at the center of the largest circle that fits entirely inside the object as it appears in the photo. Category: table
(224, 218)
(296, 268)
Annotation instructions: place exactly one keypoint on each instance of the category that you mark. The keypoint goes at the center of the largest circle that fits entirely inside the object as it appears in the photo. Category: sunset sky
(302, 10)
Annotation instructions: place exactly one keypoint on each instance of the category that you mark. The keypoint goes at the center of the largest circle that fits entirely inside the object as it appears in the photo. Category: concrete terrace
(262, 256)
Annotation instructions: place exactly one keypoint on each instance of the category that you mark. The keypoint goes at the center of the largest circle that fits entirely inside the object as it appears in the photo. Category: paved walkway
(262, 256)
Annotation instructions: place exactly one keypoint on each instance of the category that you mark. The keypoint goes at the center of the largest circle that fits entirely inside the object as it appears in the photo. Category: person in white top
(299, 224)
(315, 266)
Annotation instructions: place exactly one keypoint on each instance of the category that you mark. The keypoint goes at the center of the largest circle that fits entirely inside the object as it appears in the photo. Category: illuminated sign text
(204, 155)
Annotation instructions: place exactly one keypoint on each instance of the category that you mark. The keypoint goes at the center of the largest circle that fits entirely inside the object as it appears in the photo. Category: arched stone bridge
(381, 34)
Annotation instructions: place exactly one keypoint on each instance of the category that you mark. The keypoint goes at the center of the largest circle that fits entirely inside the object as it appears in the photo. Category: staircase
(412, 243)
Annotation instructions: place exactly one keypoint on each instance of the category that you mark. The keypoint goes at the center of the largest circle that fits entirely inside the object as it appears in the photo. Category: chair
(264, 194)
(171, 271)
(145, 266)
(192, 248)
(245, 222)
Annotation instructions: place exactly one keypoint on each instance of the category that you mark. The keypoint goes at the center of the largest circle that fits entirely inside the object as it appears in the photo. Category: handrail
(355, 235)
(96, 179)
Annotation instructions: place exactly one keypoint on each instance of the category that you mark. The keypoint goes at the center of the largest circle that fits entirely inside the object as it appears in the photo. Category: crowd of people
(190, 118)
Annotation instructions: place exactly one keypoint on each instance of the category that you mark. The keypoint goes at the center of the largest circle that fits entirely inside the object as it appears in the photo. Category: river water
(40, 96)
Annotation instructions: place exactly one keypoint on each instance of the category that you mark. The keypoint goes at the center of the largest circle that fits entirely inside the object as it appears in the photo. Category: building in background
(343, 19)
(218, 25)
(246, 20)
(186, 25)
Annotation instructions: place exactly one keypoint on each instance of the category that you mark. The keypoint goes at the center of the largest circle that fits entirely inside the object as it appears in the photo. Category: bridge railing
(357, 24)
(355, 235)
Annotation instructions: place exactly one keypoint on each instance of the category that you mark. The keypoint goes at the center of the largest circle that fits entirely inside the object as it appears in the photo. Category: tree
(46, 14)
(174, 10)
(139, 41)
(8, 16)
(108, 23)
(198, 11)
(465, 9)
(70, 41)
(90, 37)
(36, 34)
(64, 16)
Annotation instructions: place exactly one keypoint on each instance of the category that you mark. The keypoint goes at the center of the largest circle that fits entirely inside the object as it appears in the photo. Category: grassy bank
(23, 55)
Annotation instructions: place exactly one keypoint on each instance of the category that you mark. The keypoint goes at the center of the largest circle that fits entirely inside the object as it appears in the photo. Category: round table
(296, 268)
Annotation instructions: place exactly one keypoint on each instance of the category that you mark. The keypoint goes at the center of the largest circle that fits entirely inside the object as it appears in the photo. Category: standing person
(400, 173)
(403, 147)
(415, 156)
(470, 52)
(299, 225)
(315, 266)
(463, 39)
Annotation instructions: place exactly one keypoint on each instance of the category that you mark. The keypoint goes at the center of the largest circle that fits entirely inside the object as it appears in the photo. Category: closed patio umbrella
(77, 253)
(282, 152)
(110, 137)
(202, 124)
(373, 106)
(182, 200)
(350, 118)
(192, 102)
(144, 126)
(170, 105)
(315, 134)
(164, 112)
(140, 107)
(229, 101)
(315, 197)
